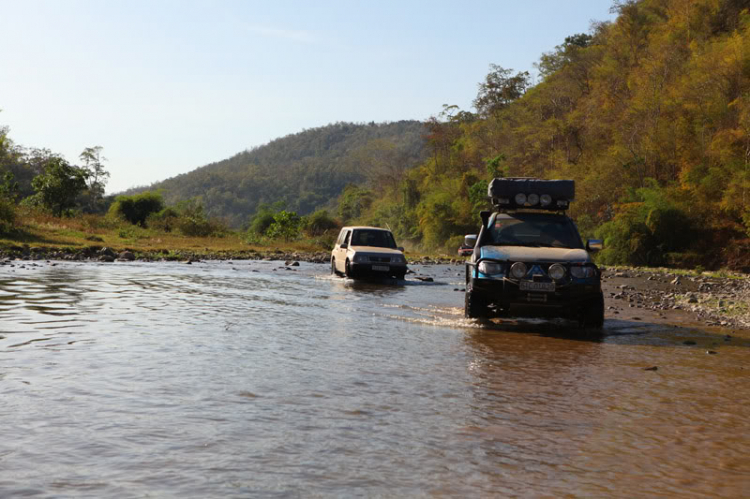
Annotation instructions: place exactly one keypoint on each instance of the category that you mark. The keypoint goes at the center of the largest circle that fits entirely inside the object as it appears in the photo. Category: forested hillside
(650, 114)
(306, 170)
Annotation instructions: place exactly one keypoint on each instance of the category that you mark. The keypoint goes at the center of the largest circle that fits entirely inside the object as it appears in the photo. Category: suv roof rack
(528, 192)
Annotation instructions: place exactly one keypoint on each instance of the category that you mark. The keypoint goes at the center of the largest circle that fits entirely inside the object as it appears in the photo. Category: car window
(346, 238)
(342, 235)
(533, 231)
(376, 238)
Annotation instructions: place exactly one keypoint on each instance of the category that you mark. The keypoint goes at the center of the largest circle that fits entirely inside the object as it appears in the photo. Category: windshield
(372, 237)
(532, 229)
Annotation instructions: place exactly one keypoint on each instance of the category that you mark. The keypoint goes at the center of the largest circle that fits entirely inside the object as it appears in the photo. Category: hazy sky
(166, 86)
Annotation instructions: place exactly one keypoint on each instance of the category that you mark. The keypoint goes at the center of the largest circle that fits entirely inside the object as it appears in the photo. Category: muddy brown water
(243, 379)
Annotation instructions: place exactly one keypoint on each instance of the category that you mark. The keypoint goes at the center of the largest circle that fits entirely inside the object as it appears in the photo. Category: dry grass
(39, 229)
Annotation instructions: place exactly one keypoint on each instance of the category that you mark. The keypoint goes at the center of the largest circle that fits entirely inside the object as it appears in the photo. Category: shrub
(319, 223)
(7, 216)
(286, 225)
(166, 220)
(193, 222)
(194, 226)
(136, 209)
(261, 222)
(645, 230)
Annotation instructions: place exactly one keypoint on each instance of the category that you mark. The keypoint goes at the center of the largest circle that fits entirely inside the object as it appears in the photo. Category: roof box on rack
(515, 193)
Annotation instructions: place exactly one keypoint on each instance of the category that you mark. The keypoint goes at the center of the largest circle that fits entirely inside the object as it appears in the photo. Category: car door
(340, 252)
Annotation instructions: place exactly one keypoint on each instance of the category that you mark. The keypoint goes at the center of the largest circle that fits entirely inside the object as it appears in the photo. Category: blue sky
(166, 86)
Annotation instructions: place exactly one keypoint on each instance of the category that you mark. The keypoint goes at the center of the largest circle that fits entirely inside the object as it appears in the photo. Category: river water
(245, 379)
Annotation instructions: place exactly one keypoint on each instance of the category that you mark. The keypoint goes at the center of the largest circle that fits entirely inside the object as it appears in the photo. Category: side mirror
(470, 240)
(401, 249)
(594, 245)
(344, 246)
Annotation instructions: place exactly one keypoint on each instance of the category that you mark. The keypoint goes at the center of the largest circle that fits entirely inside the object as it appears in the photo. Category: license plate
(537, 286)
(381, 268)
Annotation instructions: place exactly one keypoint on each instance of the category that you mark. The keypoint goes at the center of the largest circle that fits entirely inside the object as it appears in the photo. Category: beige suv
(367, 252)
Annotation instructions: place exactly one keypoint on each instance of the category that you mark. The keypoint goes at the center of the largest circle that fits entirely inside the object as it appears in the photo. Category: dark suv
(529, 260)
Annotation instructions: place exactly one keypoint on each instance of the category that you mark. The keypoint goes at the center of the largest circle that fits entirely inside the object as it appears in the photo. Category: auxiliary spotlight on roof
(536, 193)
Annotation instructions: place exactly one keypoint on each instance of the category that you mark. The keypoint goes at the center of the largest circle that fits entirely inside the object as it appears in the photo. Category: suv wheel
(593, 315)
(333, 267)
(474, 305)
(348, 270)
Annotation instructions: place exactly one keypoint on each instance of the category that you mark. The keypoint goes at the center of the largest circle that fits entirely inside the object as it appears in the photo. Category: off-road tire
(333, 267)
(474, 305)
(593, 315)
(348, 272)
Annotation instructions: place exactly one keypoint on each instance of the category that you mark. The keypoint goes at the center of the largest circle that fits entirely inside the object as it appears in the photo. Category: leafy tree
(263, 218)
(137, 208)
(319, 223)
(93, 165)
(286, 225)
(59, 185)
(9, 187)
(499, 88)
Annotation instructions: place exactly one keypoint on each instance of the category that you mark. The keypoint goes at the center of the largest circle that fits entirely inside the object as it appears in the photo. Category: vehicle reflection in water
(253, 378)
(566, 414)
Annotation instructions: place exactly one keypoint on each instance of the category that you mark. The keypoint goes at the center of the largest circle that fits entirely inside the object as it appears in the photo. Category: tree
(59, 185)
(97, 176)
(499, 89)
(286, 224)
(136, 209)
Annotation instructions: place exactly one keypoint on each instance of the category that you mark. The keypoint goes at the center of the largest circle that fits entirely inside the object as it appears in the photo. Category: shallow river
(243, 379)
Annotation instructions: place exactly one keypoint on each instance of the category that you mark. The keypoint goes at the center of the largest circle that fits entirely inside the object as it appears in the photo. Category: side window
(346, 239)
(340, 240)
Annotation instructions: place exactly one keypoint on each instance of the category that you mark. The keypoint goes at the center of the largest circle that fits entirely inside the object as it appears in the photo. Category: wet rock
(424, 279)
(107, 252)
(126, 256)
(106, 258)
(290, 263)
(677, 281)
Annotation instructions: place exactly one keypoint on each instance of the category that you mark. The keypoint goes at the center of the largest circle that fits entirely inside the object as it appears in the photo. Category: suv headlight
(518, 270)
(581, 271)
(360, 258)
(556, 271)
(490, 268)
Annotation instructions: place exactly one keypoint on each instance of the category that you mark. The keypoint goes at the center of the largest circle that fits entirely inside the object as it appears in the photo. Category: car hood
(531, 254)
(375, 249)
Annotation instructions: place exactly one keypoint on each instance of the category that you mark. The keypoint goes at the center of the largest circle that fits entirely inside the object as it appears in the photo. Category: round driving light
(521, 198)
(545, 199)
(556, 271)
(518, 270)
(533, 199)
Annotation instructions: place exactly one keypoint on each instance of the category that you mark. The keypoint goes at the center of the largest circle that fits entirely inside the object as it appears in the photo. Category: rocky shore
(104, 254)
(714, 300)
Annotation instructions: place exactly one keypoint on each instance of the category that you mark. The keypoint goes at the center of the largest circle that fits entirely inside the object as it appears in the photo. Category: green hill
(650, 114)
(306, 170)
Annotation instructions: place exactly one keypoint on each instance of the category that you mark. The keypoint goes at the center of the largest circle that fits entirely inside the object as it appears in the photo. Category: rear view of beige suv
(367, 252)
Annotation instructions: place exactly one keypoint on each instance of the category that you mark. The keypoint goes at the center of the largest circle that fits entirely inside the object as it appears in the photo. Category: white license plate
(537, 286)
(381, 268)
